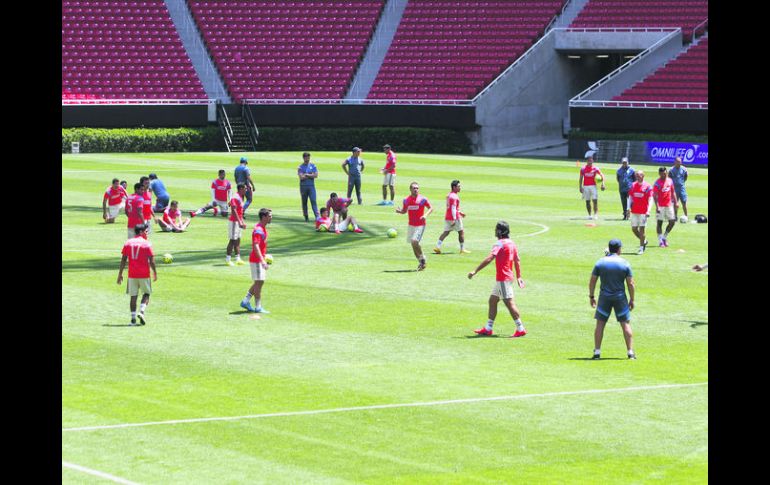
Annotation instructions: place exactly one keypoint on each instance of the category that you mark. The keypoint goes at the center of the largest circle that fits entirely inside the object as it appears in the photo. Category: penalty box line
(97, 473)
(384, 406)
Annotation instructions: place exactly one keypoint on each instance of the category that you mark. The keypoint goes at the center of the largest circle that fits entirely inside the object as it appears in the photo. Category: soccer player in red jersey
(324, 221)
(453, 219)
(415, 206)
(137, 252)
(220, 196)
(147, 212)
(115, 196)
(135, 209)
(639, 205)
(506, 257)
(587, 186)
(340, 207)
(389, 176)
(257, 262)
(665, 204)
(172, 220)
(235, 225)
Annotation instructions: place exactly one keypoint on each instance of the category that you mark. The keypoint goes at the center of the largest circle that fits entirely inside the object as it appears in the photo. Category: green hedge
(124, 140)
(672, 137)
(413, 140)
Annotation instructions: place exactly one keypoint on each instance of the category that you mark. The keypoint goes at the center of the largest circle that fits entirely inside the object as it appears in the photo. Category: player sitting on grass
(324, 221)
(172, 220)
(220, 197)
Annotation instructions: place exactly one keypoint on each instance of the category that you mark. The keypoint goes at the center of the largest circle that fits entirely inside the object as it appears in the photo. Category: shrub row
(670, 137)
(125, 140)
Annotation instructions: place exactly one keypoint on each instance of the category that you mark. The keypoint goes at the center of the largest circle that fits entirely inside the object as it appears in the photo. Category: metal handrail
(558, 15)
(251, 125)
(695, 29)
(436, 102)
(587, 103)
(601, 82)
(92, 102)
(226, 128)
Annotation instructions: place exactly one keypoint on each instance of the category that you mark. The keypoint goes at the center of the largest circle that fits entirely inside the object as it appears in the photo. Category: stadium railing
(443, 102)
(102, 101)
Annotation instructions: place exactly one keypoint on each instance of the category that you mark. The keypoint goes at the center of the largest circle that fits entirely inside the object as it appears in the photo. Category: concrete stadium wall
(581, 42)
(640, 120)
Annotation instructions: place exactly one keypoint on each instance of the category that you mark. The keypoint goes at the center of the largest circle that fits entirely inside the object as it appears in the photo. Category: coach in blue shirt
(626, 178)
(353, 167)
(307, 173)
(615, 273)
(161, 194)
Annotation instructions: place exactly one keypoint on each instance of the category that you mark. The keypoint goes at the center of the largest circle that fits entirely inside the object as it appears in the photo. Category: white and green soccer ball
(392, 233)
(683, 219)
(323, 228)
(168, 258)
(269, 258)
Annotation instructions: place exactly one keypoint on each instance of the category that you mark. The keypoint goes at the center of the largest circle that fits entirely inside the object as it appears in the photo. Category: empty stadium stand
(686, 14)
(303, 49)
(683, 79)
(452, 49)
(124, 50)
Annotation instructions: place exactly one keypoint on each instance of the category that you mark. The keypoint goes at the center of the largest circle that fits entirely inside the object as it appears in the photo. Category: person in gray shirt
(626, 177)
(353, 167)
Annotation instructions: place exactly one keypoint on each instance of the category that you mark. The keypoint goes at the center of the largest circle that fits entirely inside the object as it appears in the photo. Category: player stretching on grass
(415, 205)
(613, 271)
(340, 207)
(138, 253)
(220, 196)
(258, 262)
(324, 221)
(453, 220)
(172, 220)
(116, 195)
(506, 257)
(234, 226)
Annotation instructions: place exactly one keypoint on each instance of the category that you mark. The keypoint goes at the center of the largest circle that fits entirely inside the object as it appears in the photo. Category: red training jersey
(169, 216)
(323, 221)
(506, 257)
(664, 191)
(237, 204)
(640, 197)
(415, 207)
(220, 189)
(589, 174)
(259, 239)
(390, 163)
(135, 210)
(452, 202)
(138, 250)
(147, 209)
(115, 196)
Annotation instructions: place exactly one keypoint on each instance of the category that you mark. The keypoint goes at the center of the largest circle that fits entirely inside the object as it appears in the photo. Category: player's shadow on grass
(598, 360)
(483, 336)
(298, 236)
(399, 271)
(117, 325)
(697, 324)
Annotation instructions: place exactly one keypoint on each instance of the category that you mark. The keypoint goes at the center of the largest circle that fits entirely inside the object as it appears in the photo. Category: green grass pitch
(367, 371)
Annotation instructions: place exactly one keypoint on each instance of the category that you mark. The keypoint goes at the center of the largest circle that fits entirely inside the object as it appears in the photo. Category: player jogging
(415, 206)
(613, 272)
(235, 225)
(389, 176)
(137, 251)
(587, 186)
(639, 204)
(665, 205)
(453, 219)
(506, 257)
(113, 201)
(220, 197)
(258, 263)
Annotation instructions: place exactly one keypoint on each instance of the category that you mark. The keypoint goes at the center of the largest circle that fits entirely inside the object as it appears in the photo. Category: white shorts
(114, 210)
(166, 228)
(414, 233)
(666, 213)
(148, 223)
(638, 220)
(136, 284)
(389, 179)
(258, 273)
(589, 192)
(503, 290)
(458, 225)
(223, 206)
(234, 231)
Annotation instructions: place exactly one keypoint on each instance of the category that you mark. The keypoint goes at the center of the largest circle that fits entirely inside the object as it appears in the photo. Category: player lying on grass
(172, 220)
(506, 257)
(324, 223)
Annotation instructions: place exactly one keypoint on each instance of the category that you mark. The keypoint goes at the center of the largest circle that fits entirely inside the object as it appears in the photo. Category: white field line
(385, 406)
(136, 170)
(97, 473)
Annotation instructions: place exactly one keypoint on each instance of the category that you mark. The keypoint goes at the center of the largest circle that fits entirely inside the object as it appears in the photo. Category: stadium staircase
(238, 130)
(378, 47)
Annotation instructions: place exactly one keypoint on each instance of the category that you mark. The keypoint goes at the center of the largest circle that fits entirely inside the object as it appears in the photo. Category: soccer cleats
(240, 262)
(632, 356)
(358, 230)
(437, 250)
(464, 251)
(133, 323)
(230, 263)
(247, 307)
(519, 333)
(142, 320)
(484, 332)
(260, 310)
(596, 357)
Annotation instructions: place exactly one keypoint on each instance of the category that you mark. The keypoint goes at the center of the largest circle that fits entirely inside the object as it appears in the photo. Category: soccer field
(367, 371)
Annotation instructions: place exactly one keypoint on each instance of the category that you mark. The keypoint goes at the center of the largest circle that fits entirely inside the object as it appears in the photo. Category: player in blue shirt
(307, 173)
(161, 194)
(626, 177)
(614, 272)
(679, 175)
(243, 176)
(353, 167)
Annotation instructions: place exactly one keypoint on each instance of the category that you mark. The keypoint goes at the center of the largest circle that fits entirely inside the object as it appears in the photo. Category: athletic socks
(489, 324)
(227, 258)
(258, 303)
(519, 325)
(133, 316)
(439, 243)
(597, 351)
(246, 299)
(142, 307)
(462, 246)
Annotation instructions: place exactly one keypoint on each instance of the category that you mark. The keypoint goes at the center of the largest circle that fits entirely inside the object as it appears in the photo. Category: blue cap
(243, 160)
(614, 245)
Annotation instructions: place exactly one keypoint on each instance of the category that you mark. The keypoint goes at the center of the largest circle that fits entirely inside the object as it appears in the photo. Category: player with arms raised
(506, 257)
(137, 252)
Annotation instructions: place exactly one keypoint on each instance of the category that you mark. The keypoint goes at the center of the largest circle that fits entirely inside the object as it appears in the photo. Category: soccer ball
(269, 258)
(167, 258)
(392, 233)
(683, 219)
(350, 227)
(323, 228)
